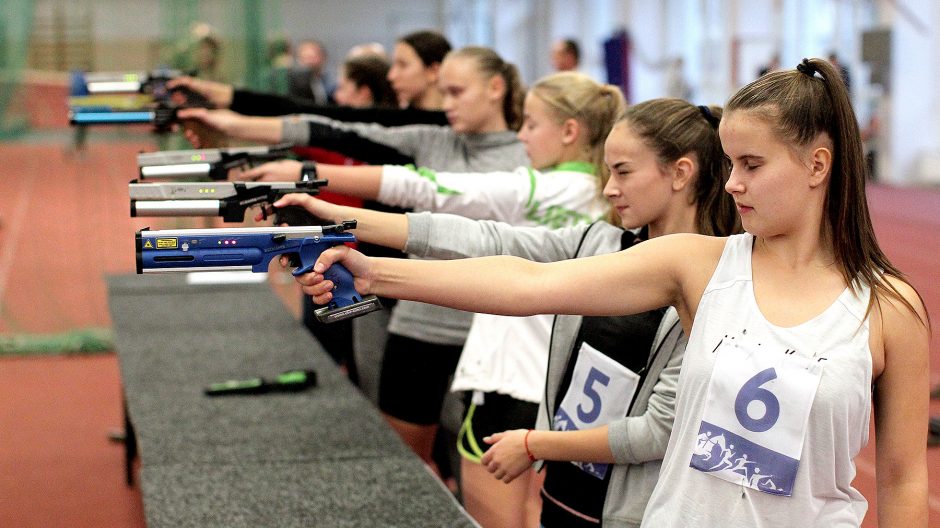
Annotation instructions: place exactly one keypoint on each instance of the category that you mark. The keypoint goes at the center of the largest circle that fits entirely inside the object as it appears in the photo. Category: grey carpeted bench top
(320, 457)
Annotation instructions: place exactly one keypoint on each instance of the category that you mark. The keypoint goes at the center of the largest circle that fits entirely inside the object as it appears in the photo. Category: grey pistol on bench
(229, 200)
(253, 248)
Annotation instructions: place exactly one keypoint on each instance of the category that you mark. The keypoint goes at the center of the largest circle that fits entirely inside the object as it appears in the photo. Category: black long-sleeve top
(346, 142)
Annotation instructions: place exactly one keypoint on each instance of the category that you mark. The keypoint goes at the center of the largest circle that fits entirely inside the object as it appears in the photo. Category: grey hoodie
(441, 149)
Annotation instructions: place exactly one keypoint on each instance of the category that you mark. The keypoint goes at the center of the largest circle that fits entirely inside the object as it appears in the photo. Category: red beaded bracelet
(525, 441)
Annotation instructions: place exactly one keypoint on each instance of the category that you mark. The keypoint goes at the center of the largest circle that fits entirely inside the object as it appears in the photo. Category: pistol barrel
(176, 208)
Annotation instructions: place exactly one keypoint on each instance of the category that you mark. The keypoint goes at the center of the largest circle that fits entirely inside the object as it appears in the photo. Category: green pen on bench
(290, 381)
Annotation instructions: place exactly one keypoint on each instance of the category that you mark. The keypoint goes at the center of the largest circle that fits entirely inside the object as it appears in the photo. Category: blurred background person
(367, 48)
(363, 82)
(308, 78)
(280, 61)
(833, 59)
(566, 55)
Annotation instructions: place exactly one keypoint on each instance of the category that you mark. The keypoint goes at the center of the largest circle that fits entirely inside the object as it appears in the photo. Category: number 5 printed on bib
(601, 391)
(755, 416)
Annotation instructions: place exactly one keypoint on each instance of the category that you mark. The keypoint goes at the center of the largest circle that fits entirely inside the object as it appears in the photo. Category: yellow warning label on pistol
(166, 243)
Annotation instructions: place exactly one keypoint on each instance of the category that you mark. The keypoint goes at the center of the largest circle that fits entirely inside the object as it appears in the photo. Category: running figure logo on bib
(601, 391)
(755, 414)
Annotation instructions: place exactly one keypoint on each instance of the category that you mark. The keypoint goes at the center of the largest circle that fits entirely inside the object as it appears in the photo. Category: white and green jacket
(565, 195)
(503, 354)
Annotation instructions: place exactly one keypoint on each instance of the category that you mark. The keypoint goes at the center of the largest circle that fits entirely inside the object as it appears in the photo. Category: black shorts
(415, 378)
(498, 413)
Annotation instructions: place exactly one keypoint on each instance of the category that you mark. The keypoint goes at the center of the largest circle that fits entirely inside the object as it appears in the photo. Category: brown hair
(371, 71)
(430, 46)
(490, 64)
(799, 105)
(674, 128)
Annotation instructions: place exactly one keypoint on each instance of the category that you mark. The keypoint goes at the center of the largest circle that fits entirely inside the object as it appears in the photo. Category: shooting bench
(319, 457)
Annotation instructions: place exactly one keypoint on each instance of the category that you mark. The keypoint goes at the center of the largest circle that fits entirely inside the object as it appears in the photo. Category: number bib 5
(755, 417)
(601, 391)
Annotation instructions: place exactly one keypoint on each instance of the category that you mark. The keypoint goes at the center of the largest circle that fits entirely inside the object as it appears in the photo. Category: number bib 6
(755, 417)
(601, 391)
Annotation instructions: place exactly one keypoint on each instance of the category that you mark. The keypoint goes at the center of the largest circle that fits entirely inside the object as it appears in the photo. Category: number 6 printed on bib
(755, 417)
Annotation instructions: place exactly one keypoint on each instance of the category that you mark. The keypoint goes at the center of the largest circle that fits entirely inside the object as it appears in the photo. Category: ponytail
(490, 64)
(515, 96)
(799, 105)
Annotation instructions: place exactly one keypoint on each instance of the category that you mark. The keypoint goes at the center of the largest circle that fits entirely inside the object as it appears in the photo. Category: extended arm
(649, 275)
(351, 138)
(375, 227)
(447, 236)
(270, 130)
(496, 195)
(901, 414)
(361, 181)
(255, 103)
(249, 102)
(485, 195)
(249, 128)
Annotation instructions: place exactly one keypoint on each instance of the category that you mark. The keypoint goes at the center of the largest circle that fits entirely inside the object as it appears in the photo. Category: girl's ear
(433, 72)
(570, 131)
(364, 95)
(496, 87)
(821, 164)
(682, 175)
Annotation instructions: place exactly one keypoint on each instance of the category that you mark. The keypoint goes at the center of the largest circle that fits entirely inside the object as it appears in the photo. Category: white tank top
(768, 419)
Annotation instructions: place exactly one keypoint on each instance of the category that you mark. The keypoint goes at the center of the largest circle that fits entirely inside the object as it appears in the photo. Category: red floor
(57, 465)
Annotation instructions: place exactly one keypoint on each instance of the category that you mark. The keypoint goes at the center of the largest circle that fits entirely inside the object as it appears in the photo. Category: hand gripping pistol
(97, 98)
(253, 248)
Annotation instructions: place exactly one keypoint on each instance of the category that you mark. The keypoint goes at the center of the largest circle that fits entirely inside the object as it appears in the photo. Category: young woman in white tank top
(793, 326)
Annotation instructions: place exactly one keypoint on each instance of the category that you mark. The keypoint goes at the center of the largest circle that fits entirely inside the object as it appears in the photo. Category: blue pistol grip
(344, 293)
(347, 302)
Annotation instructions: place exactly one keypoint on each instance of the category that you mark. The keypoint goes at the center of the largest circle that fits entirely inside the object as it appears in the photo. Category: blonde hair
(595, 106)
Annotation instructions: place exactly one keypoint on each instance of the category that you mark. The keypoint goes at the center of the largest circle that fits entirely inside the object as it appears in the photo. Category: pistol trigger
(293, 260)
(300, 271)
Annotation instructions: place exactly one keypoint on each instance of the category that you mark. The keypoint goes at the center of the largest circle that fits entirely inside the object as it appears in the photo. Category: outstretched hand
(272, 171)
(507, 457)
(218, 94)
(318, 208)
(222, 121)
(314, 284)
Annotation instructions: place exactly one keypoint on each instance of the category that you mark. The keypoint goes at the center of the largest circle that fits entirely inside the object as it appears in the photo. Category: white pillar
(913, 124)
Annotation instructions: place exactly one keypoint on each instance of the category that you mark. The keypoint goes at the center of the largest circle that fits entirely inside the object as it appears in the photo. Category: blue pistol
(155, 104)
(253, 248)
